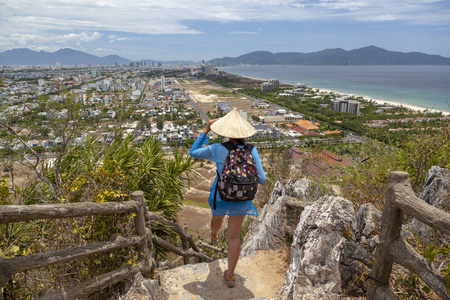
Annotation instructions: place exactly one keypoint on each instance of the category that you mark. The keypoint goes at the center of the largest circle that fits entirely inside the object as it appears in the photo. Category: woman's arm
(261, 175)
(196, 150)
(207, 129)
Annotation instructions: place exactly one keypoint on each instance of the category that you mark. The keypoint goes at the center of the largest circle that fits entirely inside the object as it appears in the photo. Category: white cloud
(40, 41)
(104, 50)
(26, 22)
(243, 32)
(169, 17)
(384, 18)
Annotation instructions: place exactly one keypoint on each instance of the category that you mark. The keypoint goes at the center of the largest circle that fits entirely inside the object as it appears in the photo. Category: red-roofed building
(308, 125)
(318, 164)
(303, 130)
(331, 132)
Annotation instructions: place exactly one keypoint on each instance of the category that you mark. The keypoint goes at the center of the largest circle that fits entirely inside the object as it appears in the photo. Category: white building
(272, 84)
(354, 107)
(347, 106)
(163, 83)
(210, 70)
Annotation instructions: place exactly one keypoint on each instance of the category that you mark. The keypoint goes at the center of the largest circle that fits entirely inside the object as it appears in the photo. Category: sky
(204, 30)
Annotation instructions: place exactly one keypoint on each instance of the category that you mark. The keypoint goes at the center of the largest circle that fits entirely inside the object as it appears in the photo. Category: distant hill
(63, 56)
(26, 57)
(370, 55)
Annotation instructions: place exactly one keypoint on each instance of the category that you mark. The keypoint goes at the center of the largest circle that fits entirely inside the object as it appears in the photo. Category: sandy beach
(387, 102)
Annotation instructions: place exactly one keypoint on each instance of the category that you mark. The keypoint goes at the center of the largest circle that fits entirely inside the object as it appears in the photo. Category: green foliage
(4, 192)
(366, 180)
(411, 287)
(160, 122)
(91, 171)
(426, 150)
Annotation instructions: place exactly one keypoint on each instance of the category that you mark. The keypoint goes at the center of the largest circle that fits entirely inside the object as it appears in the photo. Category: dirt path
(197, 219)
(257, 276)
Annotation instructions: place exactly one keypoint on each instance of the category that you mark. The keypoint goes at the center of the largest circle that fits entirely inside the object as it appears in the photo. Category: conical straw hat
(233, 125)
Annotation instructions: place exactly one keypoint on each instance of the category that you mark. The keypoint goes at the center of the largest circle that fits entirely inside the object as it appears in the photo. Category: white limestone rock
(267, 231)
(276, 222)
(141, 288)
(436, 192)
(319, 239)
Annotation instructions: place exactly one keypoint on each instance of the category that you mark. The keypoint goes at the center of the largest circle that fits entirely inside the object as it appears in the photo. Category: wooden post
(391, 224)
(144, 251)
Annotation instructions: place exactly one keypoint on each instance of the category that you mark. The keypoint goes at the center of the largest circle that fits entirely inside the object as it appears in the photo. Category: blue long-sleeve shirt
(218, 154)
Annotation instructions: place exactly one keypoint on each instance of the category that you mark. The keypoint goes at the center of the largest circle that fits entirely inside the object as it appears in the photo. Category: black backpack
(238, 181)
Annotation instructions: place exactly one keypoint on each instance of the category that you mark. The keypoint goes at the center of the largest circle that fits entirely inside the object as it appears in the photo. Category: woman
(235, 128)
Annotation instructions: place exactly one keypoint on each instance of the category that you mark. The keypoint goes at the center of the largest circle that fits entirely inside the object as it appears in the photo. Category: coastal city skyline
(188, 30)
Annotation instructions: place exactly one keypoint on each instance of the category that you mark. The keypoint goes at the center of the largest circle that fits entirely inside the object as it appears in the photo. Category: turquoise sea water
(422, 86)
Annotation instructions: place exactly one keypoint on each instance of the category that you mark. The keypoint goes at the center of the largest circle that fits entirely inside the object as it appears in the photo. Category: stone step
(258, 276)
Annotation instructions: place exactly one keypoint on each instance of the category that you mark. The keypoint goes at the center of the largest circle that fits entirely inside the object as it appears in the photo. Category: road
(193, 102)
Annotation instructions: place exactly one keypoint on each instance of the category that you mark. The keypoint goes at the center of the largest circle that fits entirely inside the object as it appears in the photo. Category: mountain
(63, 56)
(370, 55)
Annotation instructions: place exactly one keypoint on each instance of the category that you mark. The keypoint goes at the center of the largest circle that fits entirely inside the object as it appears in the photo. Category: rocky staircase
(259, 276)
(331, 250)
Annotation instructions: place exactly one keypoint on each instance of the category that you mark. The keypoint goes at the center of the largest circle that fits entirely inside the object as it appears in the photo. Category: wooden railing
(391, 247)
(142, 241)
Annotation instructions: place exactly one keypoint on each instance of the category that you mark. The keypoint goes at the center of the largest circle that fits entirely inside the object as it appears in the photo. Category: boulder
(307, 190)
(141, 288)
(320, 237)
(267, 231)
(332, 250)
(436, 192)
(278, 219)
(356, 258)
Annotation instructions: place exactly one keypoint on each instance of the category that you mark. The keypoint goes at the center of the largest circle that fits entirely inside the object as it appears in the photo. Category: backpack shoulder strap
(249, 147)
(229, 145)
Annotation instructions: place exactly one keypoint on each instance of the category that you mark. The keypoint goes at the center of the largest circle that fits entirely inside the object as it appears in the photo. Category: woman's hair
(240, 141)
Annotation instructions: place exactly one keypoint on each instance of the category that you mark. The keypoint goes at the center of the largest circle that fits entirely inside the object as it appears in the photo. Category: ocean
(422, 86)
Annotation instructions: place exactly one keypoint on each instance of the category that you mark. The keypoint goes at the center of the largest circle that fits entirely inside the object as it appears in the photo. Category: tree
(84, 169)
(160, 122)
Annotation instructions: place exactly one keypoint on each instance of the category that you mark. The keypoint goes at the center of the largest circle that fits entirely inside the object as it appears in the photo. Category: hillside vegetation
(82, 170)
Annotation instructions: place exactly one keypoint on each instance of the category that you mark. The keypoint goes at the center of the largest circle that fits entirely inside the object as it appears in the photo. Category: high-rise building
(271, 85)
(163, 83)
(347, 106)
(353, 107)
(209, 70)
(335, 105)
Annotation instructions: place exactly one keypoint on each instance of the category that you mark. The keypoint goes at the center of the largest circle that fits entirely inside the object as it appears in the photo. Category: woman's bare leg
(234, 242)
(216, 223)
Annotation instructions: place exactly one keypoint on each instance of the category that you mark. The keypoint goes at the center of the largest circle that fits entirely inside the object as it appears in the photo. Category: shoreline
(366, 98)
(389, 102)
